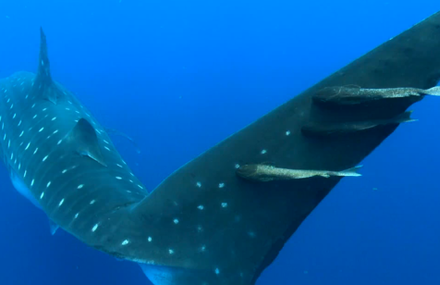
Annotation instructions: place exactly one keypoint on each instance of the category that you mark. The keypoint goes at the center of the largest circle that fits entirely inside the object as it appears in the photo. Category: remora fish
(204, 224)
(264, 173)
(325, 129)
(346, 95)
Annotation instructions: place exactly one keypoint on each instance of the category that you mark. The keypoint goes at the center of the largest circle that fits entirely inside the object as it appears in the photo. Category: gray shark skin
(204, 224)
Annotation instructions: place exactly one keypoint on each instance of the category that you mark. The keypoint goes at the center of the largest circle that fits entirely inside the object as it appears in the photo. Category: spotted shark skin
(203, 224)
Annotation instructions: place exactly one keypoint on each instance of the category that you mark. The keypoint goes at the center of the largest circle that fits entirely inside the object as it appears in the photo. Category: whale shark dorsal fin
(43, 86)
(85, 141)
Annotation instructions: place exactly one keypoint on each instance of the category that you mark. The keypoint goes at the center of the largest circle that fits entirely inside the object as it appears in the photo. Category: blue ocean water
(180, 76)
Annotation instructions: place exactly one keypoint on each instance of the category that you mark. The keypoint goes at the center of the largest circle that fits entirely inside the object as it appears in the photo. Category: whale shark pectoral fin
(21, 187)
(53, 227)
(85, 141)
(44, 87)
(167, 275)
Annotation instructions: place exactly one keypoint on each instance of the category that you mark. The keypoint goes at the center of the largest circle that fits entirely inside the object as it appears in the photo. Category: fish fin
(86, 141)
(353, 171)
(166, 275)
(116, 132)
(53, 227)
(434, 91)
(44, 86)
(403, 118)
(21, 187)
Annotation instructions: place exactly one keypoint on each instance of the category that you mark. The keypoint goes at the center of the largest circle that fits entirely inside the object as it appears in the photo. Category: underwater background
(180, 76)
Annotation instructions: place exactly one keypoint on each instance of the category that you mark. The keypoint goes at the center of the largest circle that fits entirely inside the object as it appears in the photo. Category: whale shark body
(223, 217)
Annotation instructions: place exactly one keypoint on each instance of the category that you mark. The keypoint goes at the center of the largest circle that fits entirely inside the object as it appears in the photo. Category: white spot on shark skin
(199, 184)
(42, 195)
(24, 175)
(176, 221)
(34, 117)
(48, 184)
(79, 186)
(107, 148)
(287, 133)
(19, 123)
(92, 202)
(263, 151)
(42, 129)
(32, 182)
(170, 251)
(45, 158)
(59, 142)
(224, 205)
(237, 166)
(150, 239)
(125, 242)
(95, 227)
(118, 165)
(54, 118)
(21, 134)
(15, 115)
(200, 207)
(27, 147)
(118, 177)
(217, 271)
(36, 150)
(76, 215)
(221, 185)
(61, 202)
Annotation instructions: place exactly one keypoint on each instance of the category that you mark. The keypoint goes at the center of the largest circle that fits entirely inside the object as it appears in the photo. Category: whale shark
(223, 217)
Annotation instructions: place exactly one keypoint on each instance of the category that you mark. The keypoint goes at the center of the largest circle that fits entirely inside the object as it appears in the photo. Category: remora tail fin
(403, 118)
(353, 171)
